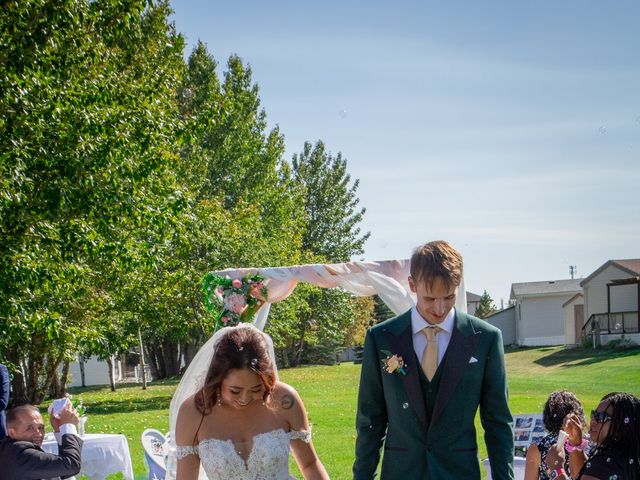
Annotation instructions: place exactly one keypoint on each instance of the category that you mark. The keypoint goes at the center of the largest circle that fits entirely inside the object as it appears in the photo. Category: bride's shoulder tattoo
(287, 401)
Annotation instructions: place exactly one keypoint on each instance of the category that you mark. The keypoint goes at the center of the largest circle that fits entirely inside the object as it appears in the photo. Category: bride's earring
(219, 401)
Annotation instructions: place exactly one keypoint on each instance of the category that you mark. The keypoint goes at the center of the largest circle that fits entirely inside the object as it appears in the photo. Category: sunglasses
(600, 417)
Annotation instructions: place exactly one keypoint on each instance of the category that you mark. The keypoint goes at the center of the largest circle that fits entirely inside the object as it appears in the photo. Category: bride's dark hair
(239, 348)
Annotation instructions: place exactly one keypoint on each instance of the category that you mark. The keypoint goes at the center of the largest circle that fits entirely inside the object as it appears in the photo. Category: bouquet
(233, 300)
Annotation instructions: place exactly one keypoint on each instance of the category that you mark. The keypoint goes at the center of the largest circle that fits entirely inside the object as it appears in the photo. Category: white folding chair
(153, 443)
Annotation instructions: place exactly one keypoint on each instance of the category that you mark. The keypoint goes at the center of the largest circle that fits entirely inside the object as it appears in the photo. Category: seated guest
(21, 455)
(615, 432)
(559, 404)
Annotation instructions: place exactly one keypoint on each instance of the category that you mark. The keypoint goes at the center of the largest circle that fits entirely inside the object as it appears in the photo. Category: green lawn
(330, 396)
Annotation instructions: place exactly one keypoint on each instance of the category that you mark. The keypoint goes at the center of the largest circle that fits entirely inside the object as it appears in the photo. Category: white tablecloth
(102, 454)
(518, 468)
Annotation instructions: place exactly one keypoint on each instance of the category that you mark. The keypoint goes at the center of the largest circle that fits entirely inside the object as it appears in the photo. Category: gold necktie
(430, 355)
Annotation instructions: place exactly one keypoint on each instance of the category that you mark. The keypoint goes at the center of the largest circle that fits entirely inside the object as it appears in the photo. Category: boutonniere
(393, 363)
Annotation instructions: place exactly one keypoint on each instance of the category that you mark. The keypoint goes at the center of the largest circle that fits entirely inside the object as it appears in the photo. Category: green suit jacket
(392, 412)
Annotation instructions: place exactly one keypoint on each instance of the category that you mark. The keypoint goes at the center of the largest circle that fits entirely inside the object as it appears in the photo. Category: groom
(424, 375)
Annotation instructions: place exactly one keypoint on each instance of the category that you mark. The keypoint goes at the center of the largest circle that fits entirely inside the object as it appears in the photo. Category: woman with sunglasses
(615, 434)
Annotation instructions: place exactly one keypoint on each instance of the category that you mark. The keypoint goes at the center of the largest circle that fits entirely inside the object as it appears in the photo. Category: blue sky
(511, 129)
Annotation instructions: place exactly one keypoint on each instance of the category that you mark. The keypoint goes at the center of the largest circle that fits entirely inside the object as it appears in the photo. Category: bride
(241, 421)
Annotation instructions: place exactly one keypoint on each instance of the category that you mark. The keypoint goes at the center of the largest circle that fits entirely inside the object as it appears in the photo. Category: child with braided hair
(615, 431)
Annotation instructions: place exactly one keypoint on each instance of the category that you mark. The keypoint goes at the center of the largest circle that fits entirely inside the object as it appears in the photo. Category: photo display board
(527, 429)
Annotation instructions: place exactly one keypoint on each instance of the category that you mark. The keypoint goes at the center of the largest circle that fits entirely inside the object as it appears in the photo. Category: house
(539, 318)
(612, 301)
(505, 320)
(96, 372)
(473, 301)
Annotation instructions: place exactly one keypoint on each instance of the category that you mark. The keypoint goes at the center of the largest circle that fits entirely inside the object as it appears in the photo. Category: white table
(102, 454)
(518, 468)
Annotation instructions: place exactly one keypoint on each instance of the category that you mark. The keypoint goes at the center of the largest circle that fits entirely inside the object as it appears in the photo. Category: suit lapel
(460, 350)
(400, 340)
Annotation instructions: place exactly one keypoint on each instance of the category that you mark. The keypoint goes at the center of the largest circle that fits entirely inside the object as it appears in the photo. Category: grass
(330, 396)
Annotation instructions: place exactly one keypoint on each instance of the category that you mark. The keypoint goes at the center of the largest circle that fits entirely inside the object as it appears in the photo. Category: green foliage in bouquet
(233, 300)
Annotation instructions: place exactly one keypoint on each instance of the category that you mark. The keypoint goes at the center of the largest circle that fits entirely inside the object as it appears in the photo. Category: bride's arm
(306, 457)
(186, 428)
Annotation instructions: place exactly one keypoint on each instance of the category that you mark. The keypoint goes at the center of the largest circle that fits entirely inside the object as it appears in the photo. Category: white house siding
(505, 320)
(595, 293)
(544, 323)
(96, 372)
(472, 307)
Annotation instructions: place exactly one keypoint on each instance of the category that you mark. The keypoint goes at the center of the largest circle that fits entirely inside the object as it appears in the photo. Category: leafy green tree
(381, 311)
(324, 317)
(485, 306)
(331, 204)
(244, 208)
(88, 127)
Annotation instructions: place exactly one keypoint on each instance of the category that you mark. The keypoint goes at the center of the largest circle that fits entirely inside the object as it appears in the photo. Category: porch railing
(613, 323)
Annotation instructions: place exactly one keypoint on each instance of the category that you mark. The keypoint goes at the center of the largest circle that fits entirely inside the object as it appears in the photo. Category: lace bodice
(268, 459)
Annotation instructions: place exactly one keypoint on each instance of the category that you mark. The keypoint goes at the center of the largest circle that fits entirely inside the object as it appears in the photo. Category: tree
(316, 330)
(243, 207)
(331, 204)
(87, 135)
(486, 306)
(381, 311)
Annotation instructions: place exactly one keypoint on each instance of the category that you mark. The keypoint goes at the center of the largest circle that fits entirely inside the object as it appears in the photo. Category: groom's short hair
(437, 259)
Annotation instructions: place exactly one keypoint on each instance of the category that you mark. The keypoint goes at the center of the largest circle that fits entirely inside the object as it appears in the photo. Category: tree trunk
(189, 350)
(51, 372)
(112, 381)
(18, 384)
(54, 388)
(143, 370)
(81, 363)
(65, 378)
(300, 349)
(171, 357)
(33, 369)
(162, 368)
(153, 362)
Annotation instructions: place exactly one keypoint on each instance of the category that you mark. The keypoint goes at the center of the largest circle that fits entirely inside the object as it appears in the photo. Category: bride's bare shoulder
(189, 418)
(285, 397)
(188, 408)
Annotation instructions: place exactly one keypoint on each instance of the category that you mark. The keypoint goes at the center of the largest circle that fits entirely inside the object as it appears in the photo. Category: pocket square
(473, 360)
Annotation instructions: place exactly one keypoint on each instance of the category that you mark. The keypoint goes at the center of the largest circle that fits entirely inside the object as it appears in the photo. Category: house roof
(577, 295)
(546, 287)
(473, 297)
(629, 265)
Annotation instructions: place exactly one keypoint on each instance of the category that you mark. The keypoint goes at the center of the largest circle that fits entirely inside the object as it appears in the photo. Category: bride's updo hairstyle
(241, 347)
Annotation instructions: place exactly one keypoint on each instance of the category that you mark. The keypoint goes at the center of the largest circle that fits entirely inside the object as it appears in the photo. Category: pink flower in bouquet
(235, 303)
(256, 291)
(237, 283)
(225, 320)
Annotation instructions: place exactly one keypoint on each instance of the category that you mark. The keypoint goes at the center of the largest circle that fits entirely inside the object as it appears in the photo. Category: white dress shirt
(64, 429)
(442, 338)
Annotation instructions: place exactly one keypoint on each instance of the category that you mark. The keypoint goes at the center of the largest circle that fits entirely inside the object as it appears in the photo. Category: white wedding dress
(267, 460)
